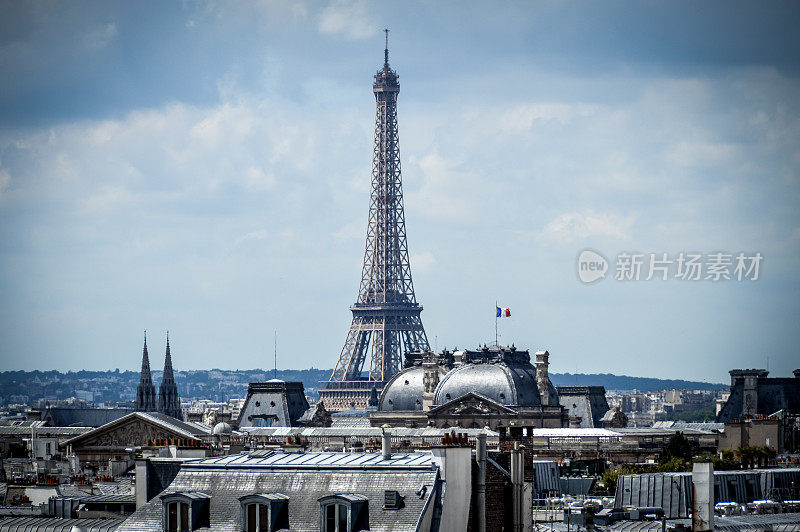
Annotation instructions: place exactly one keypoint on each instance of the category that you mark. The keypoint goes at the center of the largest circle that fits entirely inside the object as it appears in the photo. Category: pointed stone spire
(168, 374)
(169, 402)
(145, 392)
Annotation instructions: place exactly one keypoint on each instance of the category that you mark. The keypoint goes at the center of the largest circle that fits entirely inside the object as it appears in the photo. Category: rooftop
(313, 460)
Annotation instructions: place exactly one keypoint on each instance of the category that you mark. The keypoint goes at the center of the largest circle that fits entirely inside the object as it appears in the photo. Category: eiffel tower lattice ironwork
(386, 317)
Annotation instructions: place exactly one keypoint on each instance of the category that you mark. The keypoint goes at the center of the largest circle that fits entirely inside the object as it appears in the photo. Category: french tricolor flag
(503, 312)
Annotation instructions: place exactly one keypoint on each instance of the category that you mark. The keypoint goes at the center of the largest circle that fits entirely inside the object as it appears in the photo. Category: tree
(674, 465)
(677, 447)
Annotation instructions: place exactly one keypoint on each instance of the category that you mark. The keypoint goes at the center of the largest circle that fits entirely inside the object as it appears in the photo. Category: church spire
(168, 374)
(145, 392)
(169, 402)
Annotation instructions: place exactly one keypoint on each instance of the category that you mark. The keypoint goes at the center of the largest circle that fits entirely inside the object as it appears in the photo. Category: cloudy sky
(204, 167)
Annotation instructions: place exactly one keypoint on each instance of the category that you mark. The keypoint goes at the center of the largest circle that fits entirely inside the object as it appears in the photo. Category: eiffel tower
(386, 317)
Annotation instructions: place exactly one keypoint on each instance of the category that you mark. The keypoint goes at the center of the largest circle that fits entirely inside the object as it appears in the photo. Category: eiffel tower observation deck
(386, 317)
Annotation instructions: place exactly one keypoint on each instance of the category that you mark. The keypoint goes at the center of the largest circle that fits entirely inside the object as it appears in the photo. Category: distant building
(754, 394)
(585, 402)
(274, 490)
(145, 392)
(168, 401)
(274, 403)
(111, 444)
(493, 386)
(614, 419)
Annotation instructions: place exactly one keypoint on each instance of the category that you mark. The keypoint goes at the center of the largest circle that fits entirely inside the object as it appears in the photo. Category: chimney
(703, 505)
(386, 442)
(517, 472)
(480, 457)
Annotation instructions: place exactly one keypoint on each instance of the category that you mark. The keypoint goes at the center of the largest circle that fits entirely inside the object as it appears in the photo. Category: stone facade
(754, 394)
(493, 386)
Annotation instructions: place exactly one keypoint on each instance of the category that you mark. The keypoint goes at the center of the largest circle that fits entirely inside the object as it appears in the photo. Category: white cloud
(108, 198)
(700, 154)
(350, 231)
(260, 234)
(5, 181)
(99, 38)
(348, 18)
(422, 262)
(523, 116)
(448, 191)
(572, 226)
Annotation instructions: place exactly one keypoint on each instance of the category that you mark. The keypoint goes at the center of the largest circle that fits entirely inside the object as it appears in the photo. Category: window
(178, 516)
(336, 518)
(347, 512)
(185, 511)
(264, 512)
(257, 517)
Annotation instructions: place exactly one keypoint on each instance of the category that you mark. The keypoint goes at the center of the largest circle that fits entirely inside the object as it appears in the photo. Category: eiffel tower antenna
(386, 316)
(386, 50)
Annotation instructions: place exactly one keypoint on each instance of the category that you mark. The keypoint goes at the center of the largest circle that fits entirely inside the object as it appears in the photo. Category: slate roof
(304, 478)
(62, 416)
(357, 433)
(686, 425)
(575, 433)
(29, 524)
(590, 403)
(115, 498)
(43, 431)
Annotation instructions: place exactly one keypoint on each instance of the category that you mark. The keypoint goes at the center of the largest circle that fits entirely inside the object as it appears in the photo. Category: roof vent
(392, 500)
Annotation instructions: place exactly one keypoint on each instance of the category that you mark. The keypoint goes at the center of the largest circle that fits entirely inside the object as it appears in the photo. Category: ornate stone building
(111, 443)
(493, 386)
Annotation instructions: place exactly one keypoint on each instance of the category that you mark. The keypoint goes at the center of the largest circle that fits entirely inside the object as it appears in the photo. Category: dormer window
(185, 511)
(345, 512)
(264, 512)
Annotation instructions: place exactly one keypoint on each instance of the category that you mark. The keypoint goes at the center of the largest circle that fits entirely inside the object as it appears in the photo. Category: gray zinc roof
(54, 524)
(506, 384)
(315, 461)
(362, 432)
(304, 478)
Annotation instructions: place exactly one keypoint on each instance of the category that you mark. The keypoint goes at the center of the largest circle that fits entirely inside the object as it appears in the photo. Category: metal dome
(504, 383)
(404, 390)
(222, 428)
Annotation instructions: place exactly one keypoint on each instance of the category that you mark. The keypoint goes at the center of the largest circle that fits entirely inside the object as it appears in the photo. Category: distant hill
(623, 382)
(220, 385)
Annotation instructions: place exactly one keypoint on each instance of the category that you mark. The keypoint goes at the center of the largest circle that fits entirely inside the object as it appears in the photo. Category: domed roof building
(222, 428)
(492, 386)
(405, 390)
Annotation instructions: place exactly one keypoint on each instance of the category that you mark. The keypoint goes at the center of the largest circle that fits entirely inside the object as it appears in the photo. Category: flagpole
(495, 323)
